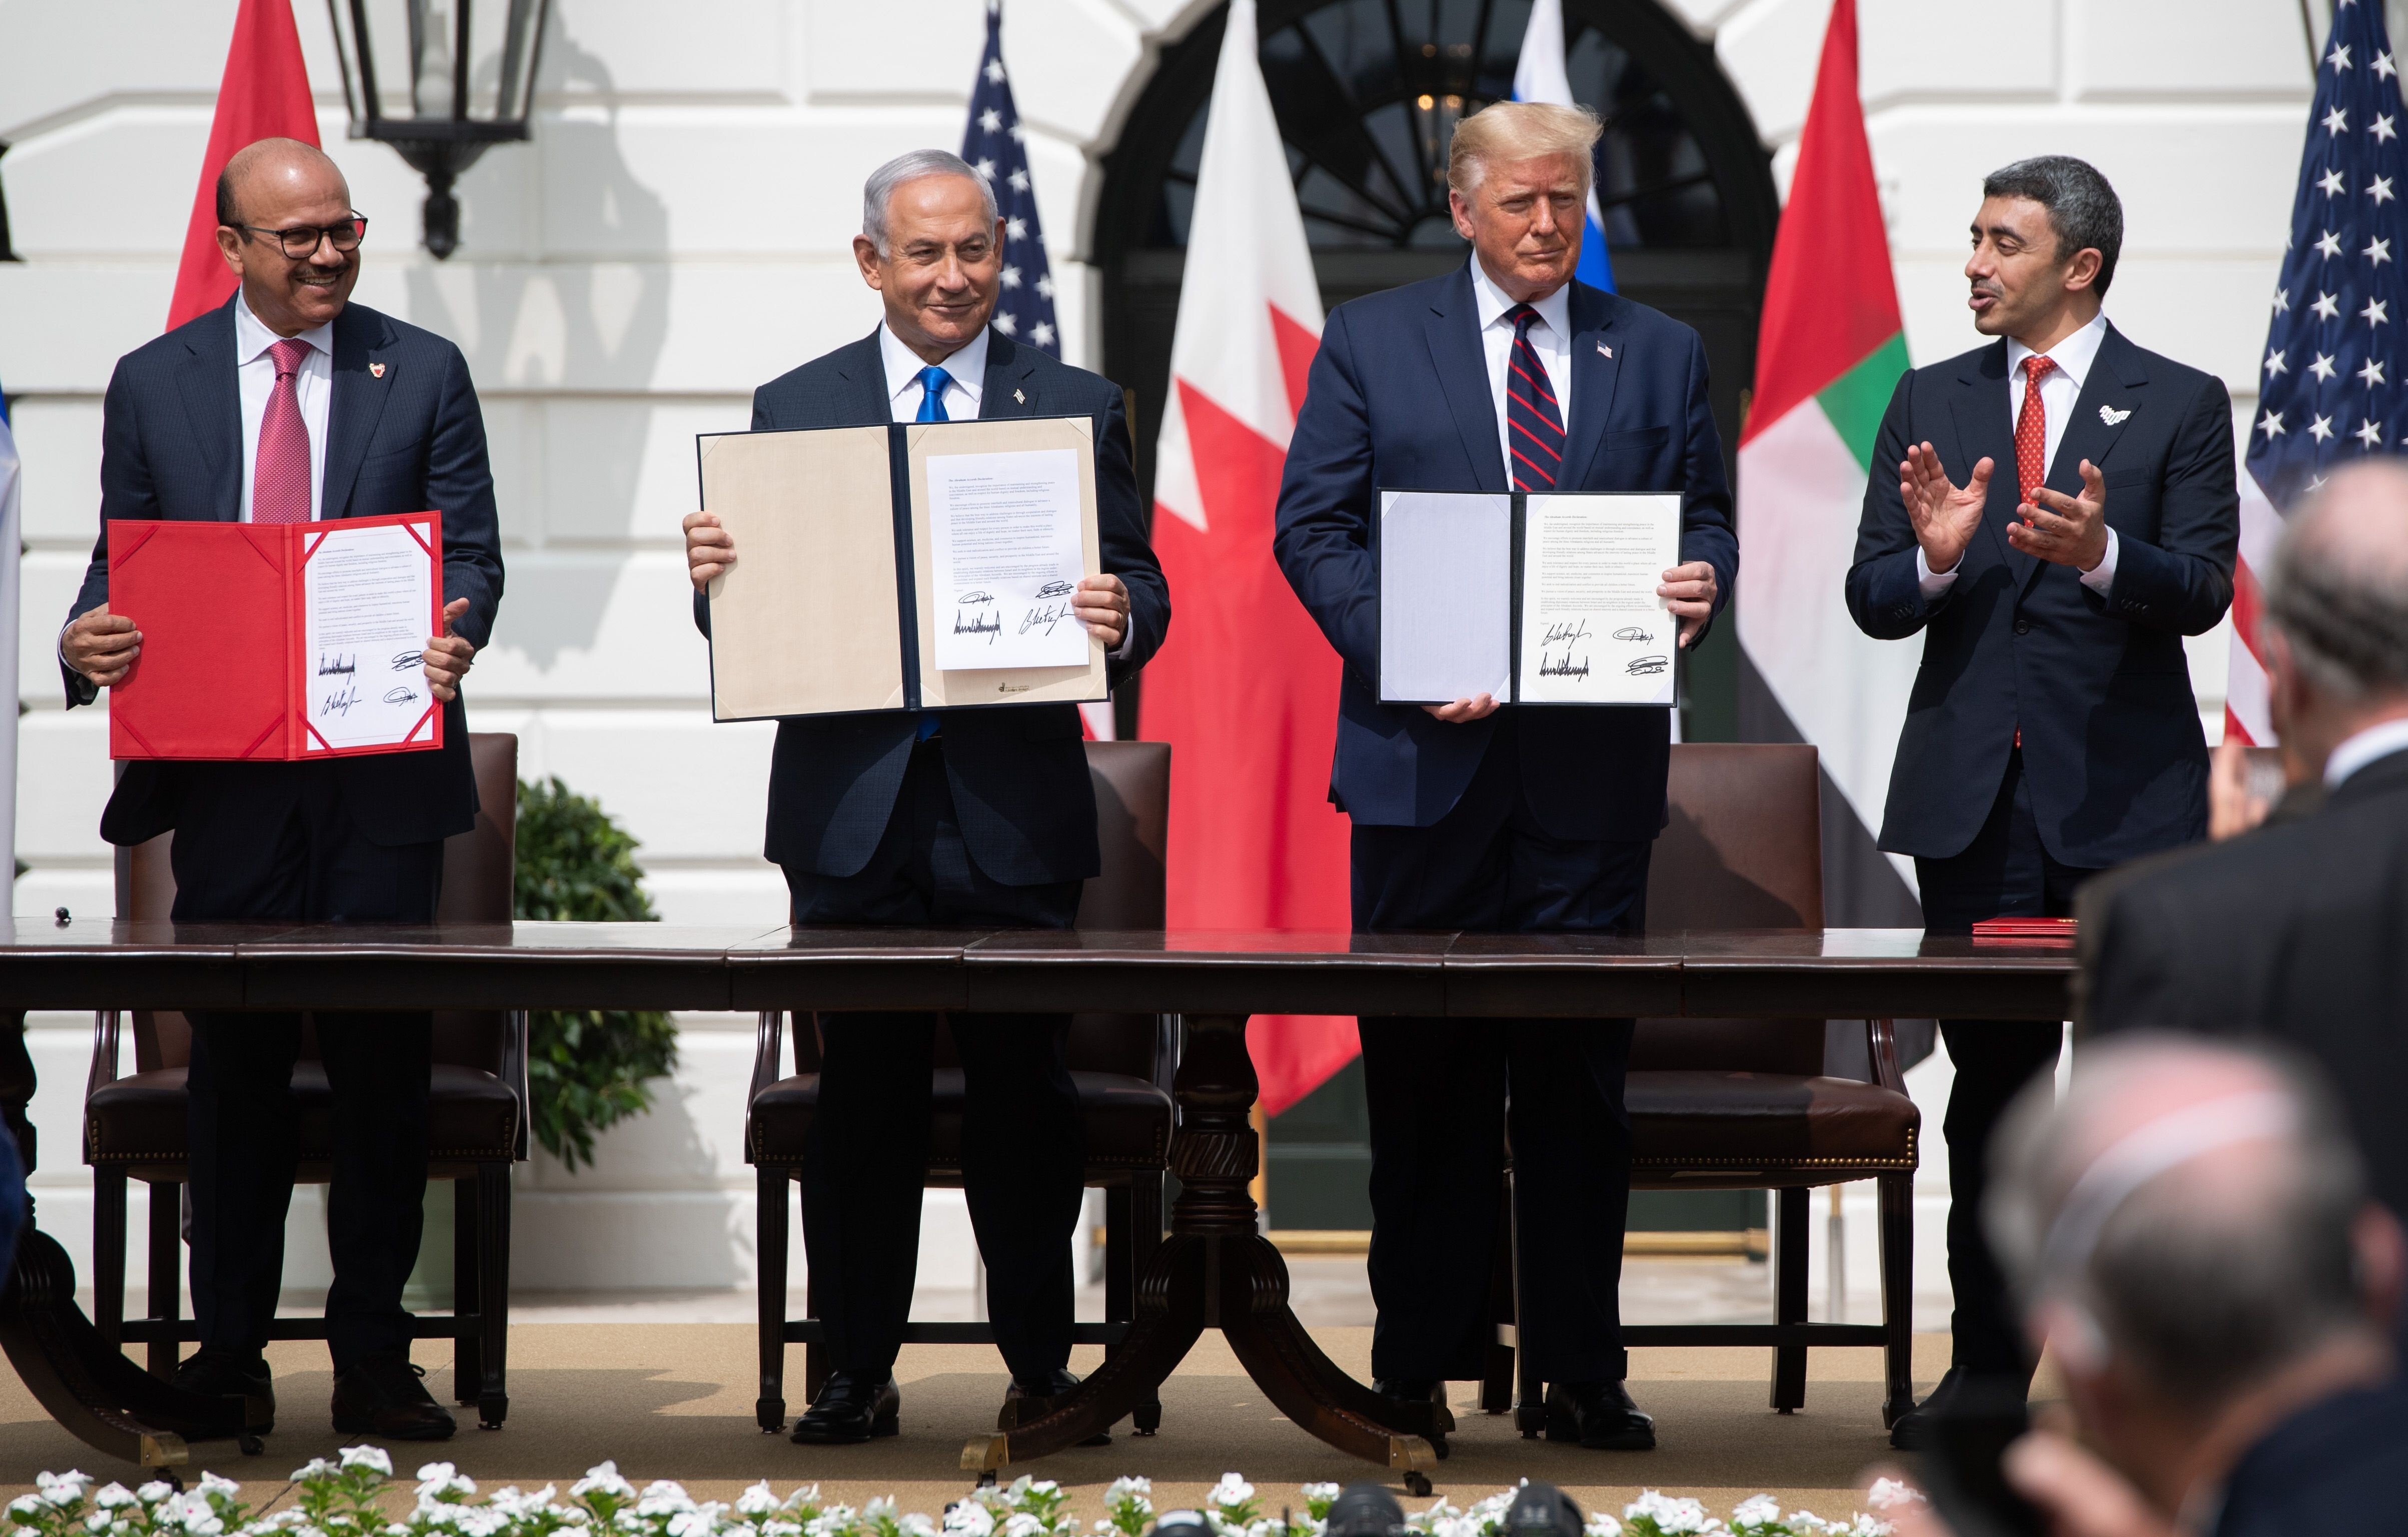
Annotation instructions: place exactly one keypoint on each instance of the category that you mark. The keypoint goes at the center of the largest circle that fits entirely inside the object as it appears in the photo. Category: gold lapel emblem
(376, 371)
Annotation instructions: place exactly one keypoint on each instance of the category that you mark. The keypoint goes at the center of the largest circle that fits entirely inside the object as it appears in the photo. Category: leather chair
(1122, 1064)
(478, 1117)
(1744, 1104)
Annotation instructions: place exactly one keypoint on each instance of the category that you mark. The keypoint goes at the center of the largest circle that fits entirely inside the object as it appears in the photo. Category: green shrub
(592, 1068)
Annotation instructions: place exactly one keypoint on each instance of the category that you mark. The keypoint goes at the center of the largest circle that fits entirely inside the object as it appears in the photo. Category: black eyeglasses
(300, 242)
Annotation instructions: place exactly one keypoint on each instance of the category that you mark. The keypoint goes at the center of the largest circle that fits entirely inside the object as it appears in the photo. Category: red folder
(226, 615)
(2040, 933)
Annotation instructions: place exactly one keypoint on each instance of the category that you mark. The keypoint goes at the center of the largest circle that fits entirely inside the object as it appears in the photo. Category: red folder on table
(2044, 933)
(277, 642)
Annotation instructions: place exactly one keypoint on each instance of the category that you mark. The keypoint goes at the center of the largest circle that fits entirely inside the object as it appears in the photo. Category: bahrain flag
(263, 94)
(1245, 689)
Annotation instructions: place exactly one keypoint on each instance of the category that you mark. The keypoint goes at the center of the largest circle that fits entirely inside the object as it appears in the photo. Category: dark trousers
(273, 842)
(2003, 873)
(1440, 1091)
(1023, 1155)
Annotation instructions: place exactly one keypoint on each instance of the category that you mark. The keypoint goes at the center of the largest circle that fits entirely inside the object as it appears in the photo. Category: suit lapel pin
(1022, 398)
(1604, 349)
(376, 371)
(2109, 415)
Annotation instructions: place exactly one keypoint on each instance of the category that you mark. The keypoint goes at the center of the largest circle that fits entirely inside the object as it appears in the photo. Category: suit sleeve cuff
(1932, 584)
(2103, 577)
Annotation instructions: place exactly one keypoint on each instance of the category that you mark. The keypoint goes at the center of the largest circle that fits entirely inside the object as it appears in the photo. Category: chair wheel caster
(1416, 1482)
(250, 1445)
(986, 1479)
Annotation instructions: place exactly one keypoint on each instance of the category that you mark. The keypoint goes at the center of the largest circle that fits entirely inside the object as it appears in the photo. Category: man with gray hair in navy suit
(943, 818)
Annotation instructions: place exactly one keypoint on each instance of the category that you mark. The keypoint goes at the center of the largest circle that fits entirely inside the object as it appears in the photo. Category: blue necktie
(932, 409)
(932, 395)
(1533, 421)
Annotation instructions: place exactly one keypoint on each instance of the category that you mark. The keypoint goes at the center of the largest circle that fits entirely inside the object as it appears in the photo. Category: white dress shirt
(2060, 391)
(965, 377)
(2379, 740)
(255, 374)
(1551, 337)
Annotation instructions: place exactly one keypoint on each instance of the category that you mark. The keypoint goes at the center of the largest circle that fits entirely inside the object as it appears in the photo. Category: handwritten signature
(337, 665)
(398, 695)
(340, 702)
(1634, 633)
(404, 660)
(1044, 617)
(970, 598)
(1561, 633)
(1055, 589)
(1562, 667)
(1646, 667)
(988, 624)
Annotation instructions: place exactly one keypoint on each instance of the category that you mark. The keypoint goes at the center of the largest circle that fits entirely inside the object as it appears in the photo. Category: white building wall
(678, 232)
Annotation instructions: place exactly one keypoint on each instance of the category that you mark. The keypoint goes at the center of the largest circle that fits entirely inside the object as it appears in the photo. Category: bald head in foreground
(2190, 1235)
(288, 404)
(2294, 931)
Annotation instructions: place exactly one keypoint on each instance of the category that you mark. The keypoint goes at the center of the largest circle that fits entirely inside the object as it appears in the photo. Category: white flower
(1669, 1514)
(696, 1520)
(1232, 1491)
(1760, 1510)
(603, 1479)
(1312, 1491)
(113, 1496)
(1122, 1489)
(1602, 1524)
(916, 1525)
(969, 1518)
(372, 1458)
(1893, 1494)
(62, 1488)
(757, 1500)
(1021, 1524)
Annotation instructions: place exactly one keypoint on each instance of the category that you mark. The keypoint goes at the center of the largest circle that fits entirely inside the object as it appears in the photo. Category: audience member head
(2045, 247)
(2191, 1232)
(2336, 624)
(932, 244)
(1517, 179)
(286, 227)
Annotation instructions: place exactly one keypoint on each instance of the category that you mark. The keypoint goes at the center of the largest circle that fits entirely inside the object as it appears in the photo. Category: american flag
(993, 145)
(2331, 374)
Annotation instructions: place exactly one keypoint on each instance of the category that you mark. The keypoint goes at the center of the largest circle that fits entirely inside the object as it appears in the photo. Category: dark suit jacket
(2335, 1466)
(411, 440)
(1399, 399)
(1018, 772)
(2099, 686)
(2297, 930)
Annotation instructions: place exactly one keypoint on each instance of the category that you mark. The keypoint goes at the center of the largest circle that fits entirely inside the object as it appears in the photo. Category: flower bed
(344, 1498)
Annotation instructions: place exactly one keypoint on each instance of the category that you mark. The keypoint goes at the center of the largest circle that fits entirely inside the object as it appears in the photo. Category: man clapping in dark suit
(1505, 375)
(978, 816)
(2296, 930)
(285, 404)
(2065, 512)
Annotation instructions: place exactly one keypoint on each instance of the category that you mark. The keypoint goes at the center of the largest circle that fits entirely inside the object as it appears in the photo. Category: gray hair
(2083, 210)
(879, 190)
(2338, 586)
(2201, 1284)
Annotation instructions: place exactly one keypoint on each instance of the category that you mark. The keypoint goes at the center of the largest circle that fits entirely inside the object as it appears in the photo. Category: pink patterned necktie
(280, 477)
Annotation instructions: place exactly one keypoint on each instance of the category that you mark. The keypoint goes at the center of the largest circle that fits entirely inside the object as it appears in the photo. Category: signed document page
(1003, 531)
(1003, 526)
(1594, 630)
(808, 621)
(369, 603)
(1446, 589)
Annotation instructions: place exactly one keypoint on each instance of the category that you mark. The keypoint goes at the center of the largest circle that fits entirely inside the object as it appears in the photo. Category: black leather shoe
(1912, 1432)
(1428, 1395)
(1598, 1416)
(383, 1396)
(849, 1410)
(1024, 1402)
(221, 1374)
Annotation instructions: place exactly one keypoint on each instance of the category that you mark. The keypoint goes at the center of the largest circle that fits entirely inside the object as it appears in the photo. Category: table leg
(84, 1382)
(1217, 1270)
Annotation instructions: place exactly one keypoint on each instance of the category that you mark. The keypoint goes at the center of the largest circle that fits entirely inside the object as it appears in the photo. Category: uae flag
(1245, 689)
(1828, 358)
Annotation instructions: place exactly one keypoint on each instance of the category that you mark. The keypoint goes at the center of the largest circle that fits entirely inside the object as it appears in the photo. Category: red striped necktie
(279, 476)
(1533, 423)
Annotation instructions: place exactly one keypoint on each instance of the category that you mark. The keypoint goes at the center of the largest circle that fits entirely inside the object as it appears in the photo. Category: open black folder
(917, 566)
(1532, 597)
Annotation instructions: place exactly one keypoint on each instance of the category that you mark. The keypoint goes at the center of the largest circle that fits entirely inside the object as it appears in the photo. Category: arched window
(1367, 94)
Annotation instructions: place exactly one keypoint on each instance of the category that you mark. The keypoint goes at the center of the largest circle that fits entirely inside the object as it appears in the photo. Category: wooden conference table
(1215, 1269)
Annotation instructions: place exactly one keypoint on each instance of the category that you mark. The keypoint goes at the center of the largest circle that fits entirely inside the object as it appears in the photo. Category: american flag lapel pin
(1604, 349)
(376, 371)
(1022, 398)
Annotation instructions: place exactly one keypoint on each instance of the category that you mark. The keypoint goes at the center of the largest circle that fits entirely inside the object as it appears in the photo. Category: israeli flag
(1540, 76)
